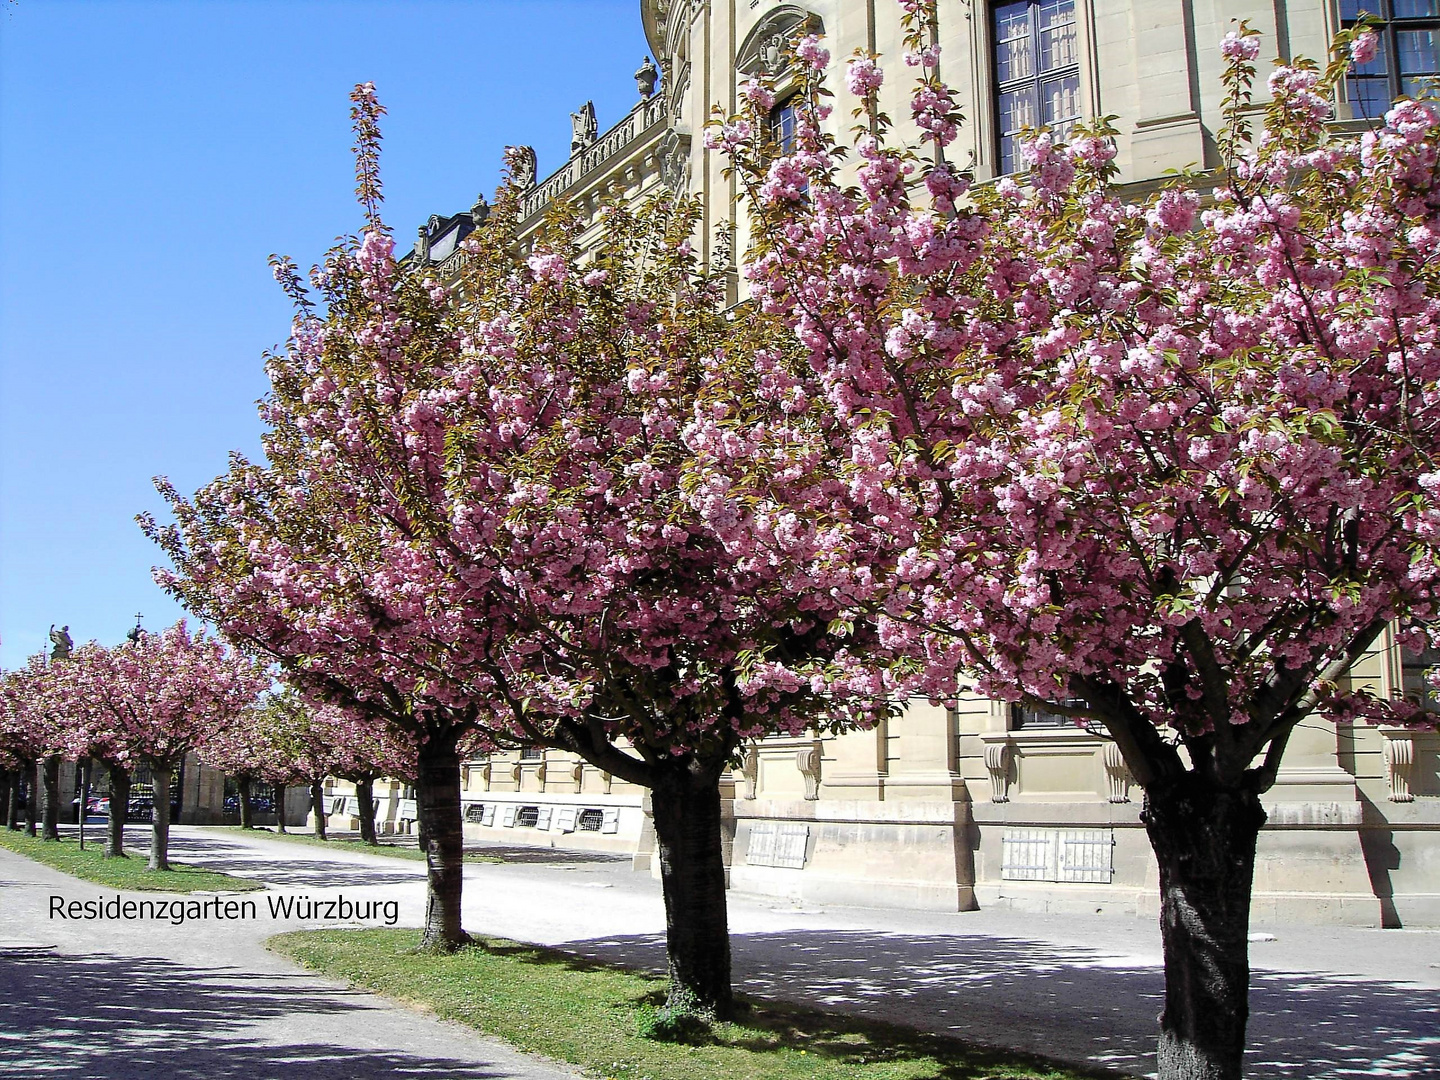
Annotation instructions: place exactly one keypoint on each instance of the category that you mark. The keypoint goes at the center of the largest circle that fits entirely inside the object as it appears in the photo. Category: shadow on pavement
(314, 870)
(521, 853)
(1073, 1003)
(96, 1017)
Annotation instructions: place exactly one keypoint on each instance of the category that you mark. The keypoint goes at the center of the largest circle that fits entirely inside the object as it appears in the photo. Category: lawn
(352, 843)
(89, 865)
(548, 1002)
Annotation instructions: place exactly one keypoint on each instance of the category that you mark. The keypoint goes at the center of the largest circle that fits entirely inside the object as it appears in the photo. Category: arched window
(764, 49)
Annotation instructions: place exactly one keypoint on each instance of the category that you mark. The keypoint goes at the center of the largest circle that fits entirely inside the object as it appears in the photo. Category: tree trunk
(1204, 838)
(442, 840)
(7, 785)
(280, 807)
(119, 812)
(32, 798)
(50, 824)
(242, 784)
(12, 801)
(160, 829)
(317, 804)
(365, 796)
(686, 806)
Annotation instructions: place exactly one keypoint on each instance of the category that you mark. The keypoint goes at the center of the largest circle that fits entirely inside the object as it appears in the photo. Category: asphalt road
(1326, 1003)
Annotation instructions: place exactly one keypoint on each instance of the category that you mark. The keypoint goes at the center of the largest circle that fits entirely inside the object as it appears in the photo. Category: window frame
(1388, 27)
(1037, 79)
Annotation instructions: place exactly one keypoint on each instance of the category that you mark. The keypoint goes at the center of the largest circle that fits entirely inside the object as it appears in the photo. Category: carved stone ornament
(522, 165)
(750, 771)
(583, 128)
(541, 772)
(1399, 761)
(480, 211)
(808, 762)
(645, 78)
(515, 773)
(577, 774)
(1117, 773)
(997, 763)
(422, 244)
(486, 771)
(675, 161)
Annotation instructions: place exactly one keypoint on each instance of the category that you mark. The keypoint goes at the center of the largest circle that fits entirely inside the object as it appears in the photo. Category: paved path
(206, 1001)
(1327, 1004)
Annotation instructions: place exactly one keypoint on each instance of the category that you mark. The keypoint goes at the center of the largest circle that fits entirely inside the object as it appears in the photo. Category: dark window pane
(1415, 9)
(1060, 102)
(1416, 50)
(1368, 97)
(1017, 110)
(782, 127)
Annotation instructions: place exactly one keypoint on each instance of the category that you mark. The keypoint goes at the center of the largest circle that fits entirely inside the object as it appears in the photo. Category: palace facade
(986, 803)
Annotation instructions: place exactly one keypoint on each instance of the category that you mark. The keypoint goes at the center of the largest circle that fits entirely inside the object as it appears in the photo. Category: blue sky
(152, 156)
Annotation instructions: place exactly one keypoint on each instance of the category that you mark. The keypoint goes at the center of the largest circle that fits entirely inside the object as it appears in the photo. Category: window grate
(527, 817)
(591, 820)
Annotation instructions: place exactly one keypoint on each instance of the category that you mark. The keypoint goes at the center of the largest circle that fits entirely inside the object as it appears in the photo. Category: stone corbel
(606, 779)
(541, 771)
(750, 771)
(577, 774)
(808, 762)
(1399, 760)
(486, 771)
(515, 774)
(1117, 773)
(997, 763)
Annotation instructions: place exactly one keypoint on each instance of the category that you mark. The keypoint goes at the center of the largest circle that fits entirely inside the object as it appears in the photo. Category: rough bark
(365, 797)
(317, 806)
(160, 827)
(1204, 838)
(280, 807)
(243, 784)
(7, 797)
(32, 799)
(686, 806)
(119, 811)
(50, 823)
(442, 840)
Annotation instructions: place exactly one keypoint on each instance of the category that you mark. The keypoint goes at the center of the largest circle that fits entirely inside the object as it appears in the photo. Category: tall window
(781, 133)
(1408, 56)
(1037, 71)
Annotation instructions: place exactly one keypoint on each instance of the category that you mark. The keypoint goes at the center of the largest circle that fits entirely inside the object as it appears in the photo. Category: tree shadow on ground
(1072, 1003)
(767, 1026)
(98, 1017)
(521, 853)
(314, 869)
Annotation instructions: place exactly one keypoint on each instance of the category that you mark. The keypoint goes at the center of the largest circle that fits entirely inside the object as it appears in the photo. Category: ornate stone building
(985, 804)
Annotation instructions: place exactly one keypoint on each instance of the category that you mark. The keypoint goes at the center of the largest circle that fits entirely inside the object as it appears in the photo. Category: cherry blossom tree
(321, 558)
(95, 733)
(27, 735)
(1164, 467)
(40, 708)
(162, 697)
(471, 520)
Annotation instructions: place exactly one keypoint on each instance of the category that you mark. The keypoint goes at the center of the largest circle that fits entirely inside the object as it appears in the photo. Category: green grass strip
(548, 1002)
(351, 843)
(129, 873)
